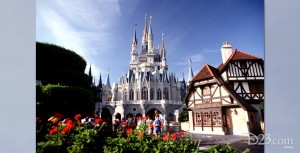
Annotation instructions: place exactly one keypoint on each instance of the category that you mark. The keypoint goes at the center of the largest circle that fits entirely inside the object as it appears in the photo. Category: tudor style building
(227, 99)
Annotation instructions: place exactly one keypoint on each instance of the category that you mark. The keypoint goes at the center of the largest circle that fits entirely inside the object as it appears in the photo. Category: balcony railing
(141, 101)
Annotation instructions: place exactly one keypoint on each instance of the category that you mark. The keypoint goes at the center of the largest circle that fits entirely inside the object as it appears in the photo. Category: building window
(216, 118)
(243, 64)
(206, 91)
(166, 94)
(158, 94)
(256, 87)
(131, 94)
(144, 93)
(151, 94)
(125, 94)
(197, 117)
(206, 119)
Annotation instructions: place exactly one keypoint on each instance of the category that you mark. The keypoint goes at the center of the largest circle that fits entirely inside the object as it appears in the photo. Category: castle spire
(90, 74)
(108, 82)
(191, 74)
(100, 81)
(162, 41)
(150, 37)
(145, 33)
(134, 40)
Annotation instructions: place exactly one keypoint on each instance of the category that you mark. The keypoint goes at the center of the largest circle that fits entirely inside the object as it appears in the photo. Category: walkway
(238, 142)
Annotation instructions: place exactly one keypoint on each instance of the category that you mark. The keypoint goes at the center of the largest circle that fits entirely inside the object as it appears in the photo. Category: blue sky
(101, 31)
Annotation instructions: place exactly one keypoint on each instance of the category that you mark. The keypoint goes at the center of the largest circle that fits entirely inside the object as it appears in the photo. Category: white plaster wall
(208, 130)
(238, 122)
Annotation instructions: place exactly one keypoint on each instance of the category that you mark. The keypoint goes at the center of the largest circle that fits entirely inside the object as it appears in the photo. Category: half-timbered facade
(226, 100)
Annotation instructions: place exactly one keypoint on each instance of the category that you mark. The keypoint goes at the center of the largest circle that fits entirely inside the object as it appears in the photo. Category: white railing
(141, 102)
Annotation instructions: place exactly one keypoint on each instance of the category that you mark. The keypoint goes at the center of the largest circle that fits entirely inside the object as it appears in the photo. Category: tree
(66, 88)
(183, 115)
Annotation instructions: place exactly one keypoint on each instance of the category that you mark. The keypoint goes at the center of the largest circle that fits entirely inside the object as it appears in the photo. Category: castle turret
(134, 52)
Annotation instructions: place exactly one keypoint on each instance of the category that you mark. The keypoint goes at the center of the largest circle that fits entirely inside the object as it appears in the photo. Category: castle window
(197, 117)
(166, 94)
(151, 94)
(158, 94)
(131, 94)
(144, 93)
(125, 94)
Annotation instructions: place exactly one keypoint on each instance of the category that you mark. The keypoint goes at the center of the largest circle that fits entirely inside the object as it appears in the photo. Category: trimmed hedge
(50, 58)
(65, 99)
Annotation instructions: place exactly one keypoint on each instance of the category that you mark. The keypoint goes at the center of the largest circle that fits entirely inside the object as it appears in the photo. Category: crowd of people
(153, 126)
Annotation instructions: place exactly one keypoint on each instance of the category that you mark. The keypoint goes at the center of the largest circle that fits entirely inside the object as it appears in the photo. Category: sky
(101, 31)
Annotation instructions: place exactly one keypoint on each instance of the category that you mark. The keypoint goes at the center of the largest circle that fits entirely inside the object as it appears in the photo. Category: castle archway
(151, 113)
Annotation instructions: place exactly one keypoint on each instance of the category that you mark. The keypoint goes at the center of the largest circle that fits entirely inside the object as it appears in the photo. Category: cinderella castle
(146, 87)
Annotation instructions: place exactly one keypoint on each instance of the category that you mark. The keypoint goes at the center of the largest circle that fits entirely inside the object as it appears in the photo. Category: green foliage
(78, 138)
(139, 141)
(66, 94)
(65, 99)
(55, 64)
(221, 148)
(183, 115)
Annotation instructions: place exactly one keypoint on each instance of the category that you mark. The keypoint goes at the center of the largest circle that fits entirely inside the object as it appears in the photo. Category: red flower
(181, 133)
(65, 130)
(98, 120)
(174, 136)
(53, 131)
(77, 116)
(125, 123)
(128, 131)
(166, 137)
(140, 134)
(144, 118)
(58, 115)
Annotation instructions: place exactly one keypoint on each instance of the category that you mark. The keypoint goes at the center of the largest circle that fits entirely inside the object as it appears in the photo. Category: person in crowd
(116, 123)
(150, 128)
(157, 124)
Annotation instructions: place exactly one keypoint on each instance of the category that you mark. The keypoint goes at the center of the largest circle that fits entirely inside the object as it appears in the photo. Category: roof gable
(206, 72)
(238, 55)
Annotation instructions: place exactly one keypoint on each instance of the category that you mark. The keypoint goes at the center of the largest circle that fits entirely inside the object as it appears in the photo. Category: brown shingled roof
(206, 72)
(238, 55)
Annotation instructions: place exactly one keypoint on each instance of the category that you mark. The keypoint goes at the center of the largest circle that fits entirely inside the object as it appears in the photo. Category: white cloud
(81, 26)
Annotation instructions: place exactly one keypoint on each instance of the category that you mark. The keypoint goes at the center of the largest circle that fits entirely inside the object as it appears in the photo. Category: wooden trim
(201, 114)
(211, 121)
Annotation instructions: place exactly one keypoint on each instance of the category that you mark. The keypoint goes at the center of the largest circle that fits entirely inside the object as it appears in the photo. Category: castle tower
(134, 52)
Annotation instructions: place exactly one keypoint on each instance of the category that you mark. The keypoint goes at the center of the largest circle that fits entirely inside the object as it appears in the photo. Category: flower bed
(92, 134)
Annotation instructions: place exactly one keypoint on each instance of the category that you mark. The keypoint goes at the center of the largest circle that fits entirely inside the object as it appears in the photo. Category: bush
(183, 115)
(72, 136)
(138, 141)
(65, 99)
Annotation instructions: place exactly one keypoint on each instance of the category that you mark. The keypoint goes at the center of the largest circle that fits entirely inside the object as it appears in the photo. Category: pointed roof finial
(162, 43)
(100, 81)
(150, 29)
(134, 40)
(144, 39)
